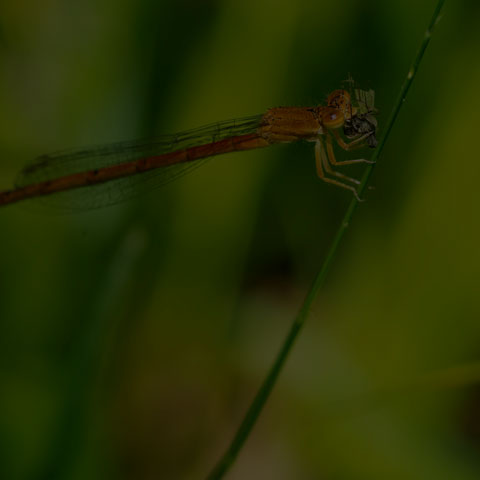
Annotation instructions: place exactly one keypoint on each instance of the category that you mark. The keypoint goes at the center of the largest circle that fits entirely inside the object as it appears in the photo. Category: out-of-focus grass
(233, 247)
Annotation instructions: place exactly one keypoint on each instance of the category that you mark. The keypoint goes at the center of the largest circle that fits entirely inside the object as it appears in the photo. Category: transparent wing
(68, 162)
(115, 191)
(365, 100)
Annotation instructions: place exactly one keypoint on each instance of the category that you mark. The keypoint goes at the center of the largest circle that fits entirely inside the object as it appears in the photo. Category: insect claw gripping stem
(358, 198)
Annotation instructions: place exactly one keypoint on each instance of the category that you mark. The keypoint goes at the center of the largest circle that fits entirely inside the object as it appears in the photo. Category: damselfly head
(341, 100)
(339, 109)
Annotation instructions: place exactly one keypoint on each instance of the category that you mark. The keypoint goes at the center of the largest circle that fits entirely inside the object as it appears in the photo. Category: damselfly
(92, 177)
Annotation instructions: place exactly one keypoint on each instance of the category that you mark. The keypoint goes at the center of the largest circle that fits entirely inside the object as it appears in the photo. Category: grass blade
(255, 408)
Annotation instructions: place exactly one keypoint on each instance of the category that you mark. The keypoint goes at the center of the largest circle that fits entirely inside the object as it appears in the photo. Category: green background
(133, 338)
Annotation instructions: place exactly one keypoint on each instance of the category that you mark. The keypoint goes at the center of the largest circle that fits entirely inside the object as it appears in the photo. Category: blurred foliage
(133, 338)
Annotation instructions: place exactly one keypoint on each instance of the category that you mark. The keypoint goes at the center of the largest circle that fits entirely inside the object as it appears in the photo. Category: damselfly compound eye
(333, 118)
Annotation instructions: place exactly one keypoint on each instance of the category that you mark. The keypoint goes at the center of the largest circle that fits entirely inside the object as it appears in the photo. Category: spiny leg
(328, 169)
(319, 153)
(331, 155)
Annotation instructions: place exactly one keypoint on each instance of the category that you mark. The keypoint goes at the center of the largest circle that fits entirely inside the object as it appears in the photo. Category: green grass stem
(253, 412)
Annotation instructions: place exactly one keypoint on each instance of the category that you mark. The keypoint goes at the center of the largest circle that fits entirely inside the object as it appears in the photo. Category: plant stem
(226, 461)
